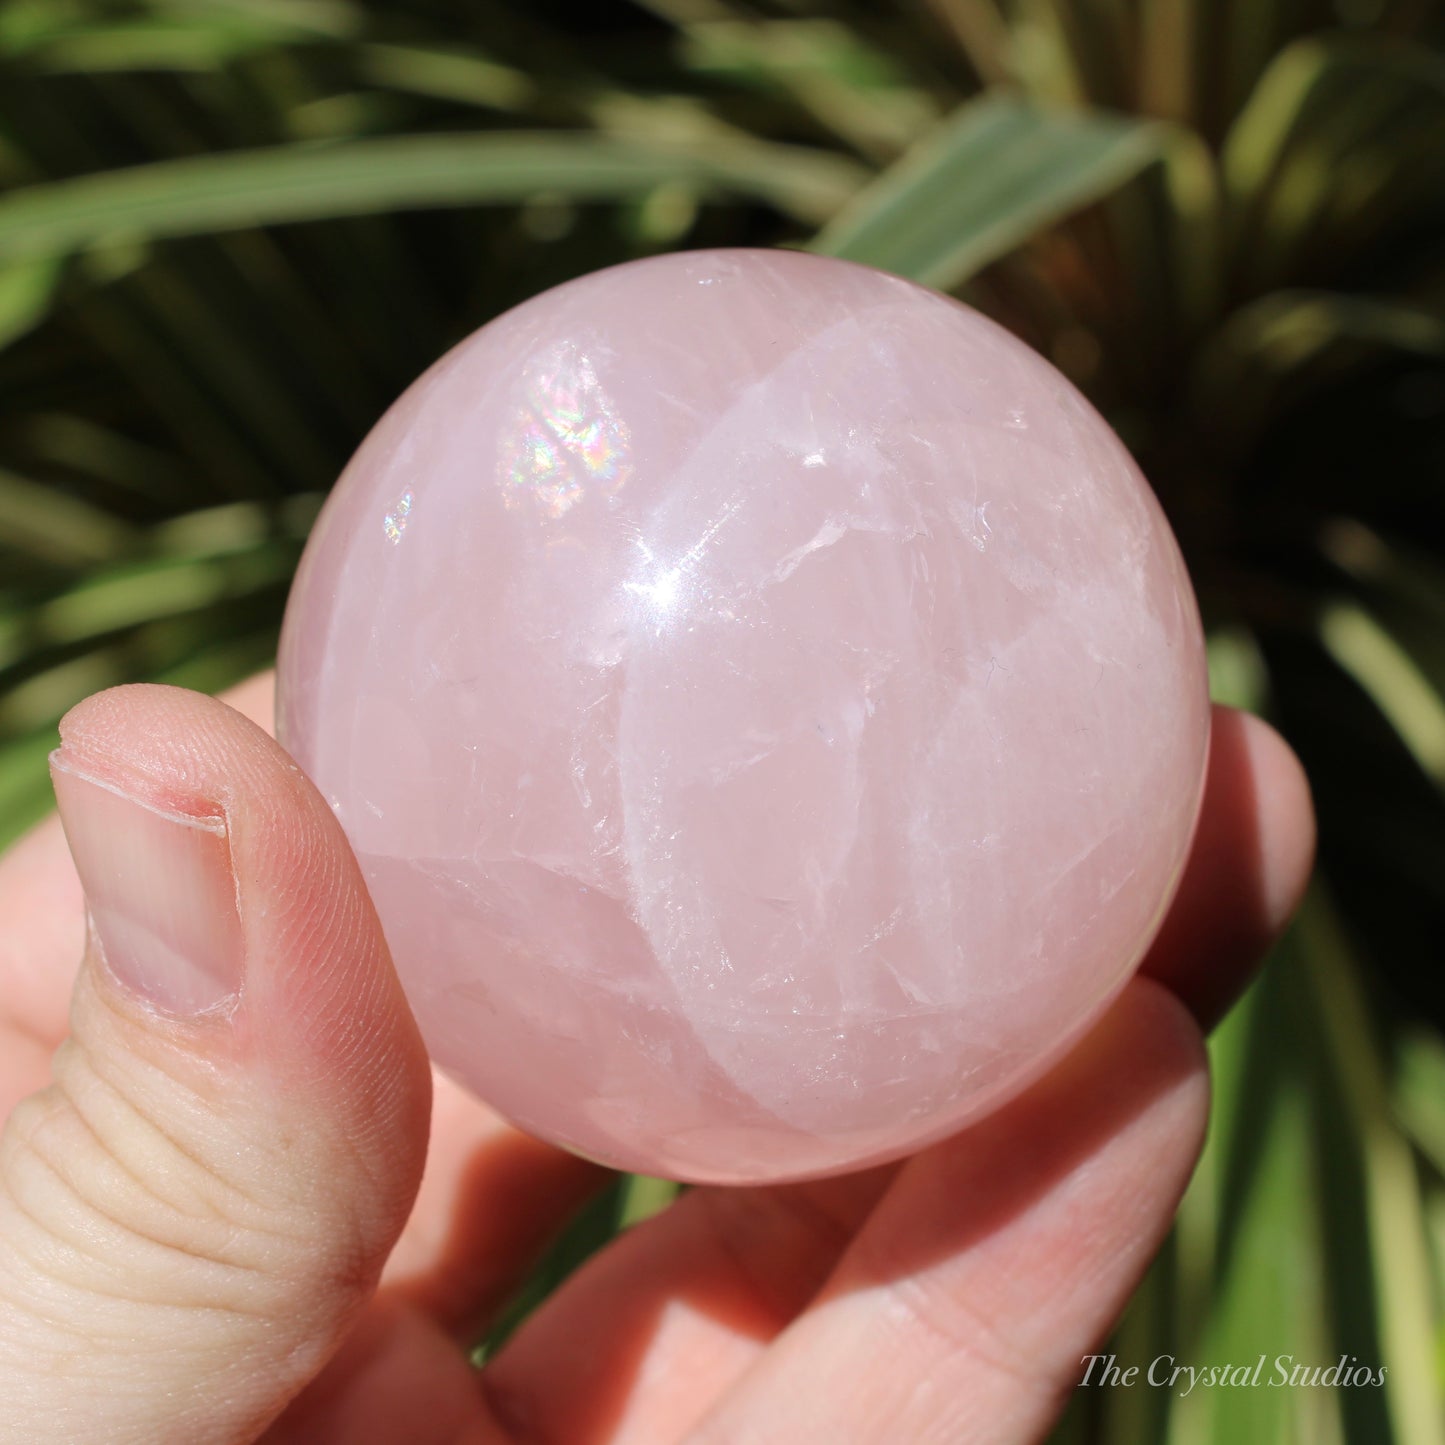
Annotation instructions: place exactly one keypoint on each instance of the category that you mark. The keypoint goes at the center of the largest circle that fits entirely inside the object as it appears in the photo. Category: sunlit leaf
(1339, 137)
(1264, 1294)
(1418, 1091)
(1398, 1255)
(1238, 676)
(24, 783)
(455, 74)
(160, 589)
(199, 44)
(1272, 347)
(26, 293)
(852, 88)
(981, 183)
(1390, 676)
(981, 30)
(64, 530)
(643, 1196)
(302, 183)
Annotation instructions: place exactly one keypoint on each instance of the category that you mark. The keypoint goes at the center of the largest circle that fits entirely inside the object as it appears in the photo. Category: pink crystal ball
(768, 706)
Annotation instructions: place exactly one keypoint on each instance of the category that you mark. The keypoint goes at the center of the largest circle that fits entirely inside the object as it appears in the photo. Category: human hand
(195, 1209)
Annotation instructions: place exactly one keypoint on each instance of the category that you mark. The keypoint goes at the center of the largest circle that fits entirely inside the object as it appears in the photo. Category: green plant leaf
(199, 195)
(333, 19)
(179, 45)
(63, 530)
(1273, 346)
(857, 91)
(447, 74)
(26, 294)
(982, 33)
(1260, 132)
(643, 1196)
(24, 782)
(1392, 678)
(598, 1221)
(985, 180)
(1169, 57)
(1237, 673)
(1285, 329)
(1249, 1231)
(1340, 138)
(1388, 1181)
(1418, 1092)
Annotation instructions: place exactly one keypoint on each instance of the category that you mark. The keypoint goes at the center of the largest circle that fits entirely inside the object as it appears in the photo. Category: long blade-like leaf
(25, 296)
(1392, 679)
(982, 182)
(1399, 1244)
(198, 195)
(64, 531)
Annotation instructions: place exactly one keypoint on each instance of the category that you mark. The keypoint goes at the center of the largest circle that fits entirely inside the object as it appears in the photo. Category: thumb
(195, 1209)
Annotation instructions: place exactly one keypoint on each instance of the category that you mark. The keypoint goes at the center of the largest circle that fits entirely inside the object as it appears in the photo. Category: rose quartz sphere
(768, 706)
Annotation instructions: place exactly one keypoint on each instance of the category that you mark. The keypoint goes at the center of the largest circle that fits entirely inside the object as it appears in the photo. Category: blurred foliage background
(232, 231)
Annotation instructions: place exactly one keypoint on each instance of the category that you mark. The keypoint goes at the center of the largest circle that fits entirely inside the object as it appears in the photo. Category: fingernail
(159, 886)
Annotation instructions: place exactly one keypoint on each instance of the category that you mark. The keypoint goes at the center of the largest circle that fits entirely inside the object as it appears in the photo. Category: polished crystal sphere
(768, 706)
